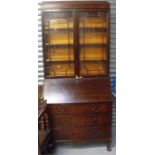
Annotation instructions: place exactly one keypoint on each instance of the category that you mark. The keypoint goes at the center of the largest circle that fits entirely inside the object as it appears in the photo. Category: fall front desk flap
(72, 90)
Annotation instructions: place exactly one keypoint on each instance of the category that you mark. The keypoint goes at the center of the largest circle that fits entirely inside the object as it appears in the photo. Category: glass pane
(58, 31)
(93, 53)
(93, 68)
(61, 69)
(93, 43)
(60, 54)
(58, 37)
(92, 36)
(58, 28)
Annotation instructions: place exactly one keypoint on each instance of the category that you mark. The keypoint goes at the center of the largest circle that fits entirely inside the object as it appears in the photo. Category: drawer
(82, 108)
(83, 133)
(80, 120)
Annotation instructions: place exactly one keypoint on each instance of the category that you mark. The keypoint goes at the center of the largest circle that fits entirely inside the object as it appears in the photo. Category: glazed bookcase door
(93, 43)
(58, 43)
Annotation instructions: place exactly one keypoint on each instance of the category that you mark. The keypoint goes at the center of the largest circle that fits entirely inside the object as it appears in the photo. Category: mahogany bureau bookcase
(76, 70)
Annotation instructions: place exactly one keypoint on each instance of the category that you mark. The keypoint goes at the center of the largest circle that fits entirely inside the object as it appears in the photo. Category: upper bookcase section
(74, 5)
(76, 39)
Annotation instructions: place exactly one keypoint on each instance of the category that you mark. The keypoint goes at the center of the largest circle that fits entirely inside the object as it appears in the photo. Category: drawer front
(80, 133)
(82, 108)
(80, 120)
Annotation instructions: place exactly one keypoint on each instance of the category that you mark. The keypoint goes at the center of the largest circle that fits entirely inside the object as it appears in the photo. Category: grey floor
(96, 149)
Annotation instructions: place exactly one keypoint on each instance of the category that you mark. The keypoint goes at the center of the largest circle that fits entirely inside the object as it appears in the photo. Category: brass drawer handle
(98, 132)
(96, 110)
(61, 123)
(60, 111)
(94, 120)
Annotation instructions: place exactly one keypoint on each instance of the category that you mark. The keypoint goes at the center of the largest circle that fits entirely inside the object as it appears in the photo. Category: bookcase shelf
(71, 29)
(80, 44)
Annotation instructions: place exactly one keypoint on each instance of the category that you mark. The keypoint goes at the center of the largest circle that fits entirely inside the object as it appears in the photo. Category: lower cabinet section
(80, 122)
